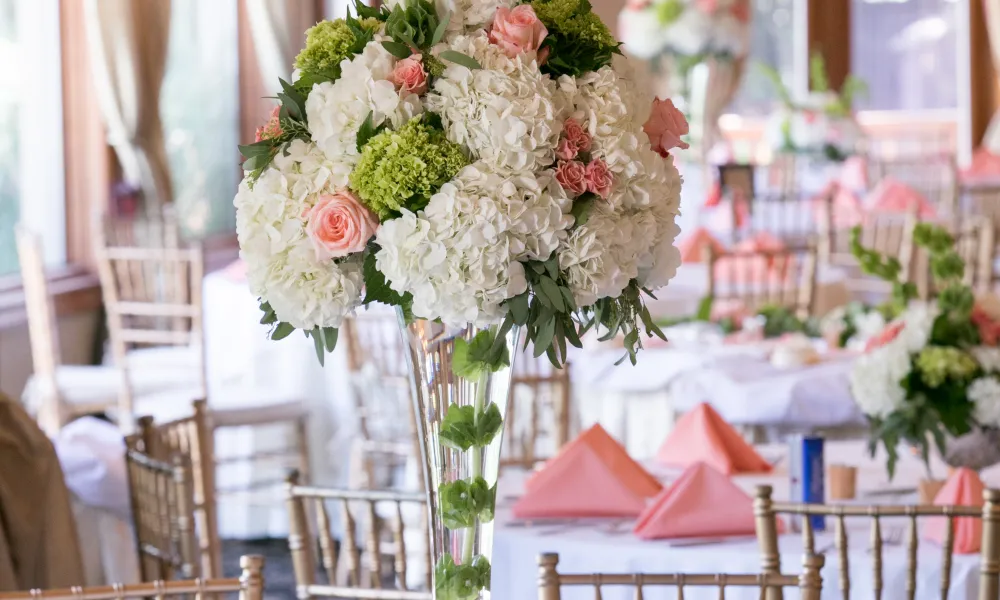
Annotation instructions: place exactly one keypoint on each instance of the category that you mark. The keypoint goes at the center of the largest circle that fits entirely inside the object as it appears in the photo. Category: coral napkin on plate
(702, 435)
(593, 476)
(964, 488)
(985, 167)
(702, 502)
(845, 208)
(693, 246)
(891, 195)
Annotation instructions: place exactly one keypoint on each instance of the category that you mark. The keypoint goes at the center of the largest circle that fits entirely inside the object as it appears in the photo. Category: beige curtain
(128, 49)
(991, 141)
(724, 78)
(278, 29)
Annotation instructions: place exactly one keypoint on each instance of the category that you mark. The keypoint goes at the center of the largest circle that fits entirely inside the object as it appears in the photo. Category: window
(31, 151)
(771, 44)
(200, 108)
(907, 53)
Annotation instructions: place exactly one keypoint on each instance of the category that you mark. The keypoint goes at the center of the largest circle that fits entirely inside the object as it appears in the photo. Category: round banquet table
(608, 545)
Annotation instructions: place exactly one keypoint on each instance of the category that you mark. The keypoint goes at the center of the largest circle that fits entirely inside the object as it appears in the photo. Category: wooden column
(830, 35)
(984, 98)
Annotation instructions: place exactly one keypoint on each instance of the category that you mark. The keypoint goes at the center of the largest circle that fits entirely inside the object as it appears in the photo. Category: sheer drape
(724, 78)
(277, 27)
(991, 141)
(128, 49)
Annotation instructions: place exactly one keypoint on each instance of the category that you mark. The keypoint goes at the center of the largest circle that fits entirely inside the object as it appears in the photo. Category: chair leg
(302, 444)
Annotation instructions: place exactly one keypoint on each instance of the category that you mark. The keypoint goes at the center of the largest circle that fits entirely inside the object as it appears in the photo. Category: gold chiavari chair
(540, 393)
(975, 243)
(784, 278)
(982, 200)
(934, 177)
(782, 175)
(765, 511)
(190, 438)
(249, 586)
(551, 582)
(785, 216)
(359, 570)
(163, 513)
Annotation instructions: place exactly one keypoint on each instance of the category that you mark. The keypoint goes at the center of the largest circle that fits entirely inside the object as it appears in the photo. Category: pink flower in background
(571, 175)
(741, 11)
(989, 328)
(707, 6)
(338, 225)
(271, 129)
(665, 127)
(518, 30)
(409, 75)
(599, 178)
(888, 334)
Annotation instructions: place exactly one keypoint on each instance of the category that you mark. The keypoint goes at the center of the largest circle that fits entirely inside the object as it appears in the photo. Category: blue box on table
(807, 477)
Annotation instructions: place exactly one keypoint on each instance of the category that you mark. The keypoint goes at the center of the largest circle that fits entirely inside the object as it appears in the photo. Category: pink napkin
(593, 476)
(891, 195)
(714, 197)
(692, 247)
(703, 435)
(846, 206)
(963, 488)
(985, 167)
(701, 503)
(854, 174)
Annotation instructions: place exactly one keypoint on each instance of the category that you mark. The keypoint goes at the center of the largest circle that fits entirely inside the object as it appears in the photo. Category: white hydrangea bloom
(459, 256)
(985, 394)
(468, 16)
(919, 318)
(336, 110)
(505, 114)
(282, 267)
(876, 378)
(987, 357)
(868, 325)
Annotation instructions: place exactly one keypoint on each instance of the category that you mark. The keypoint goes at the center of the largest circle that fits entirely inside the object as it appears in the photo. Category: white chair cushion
(181, 357)
(231, 408)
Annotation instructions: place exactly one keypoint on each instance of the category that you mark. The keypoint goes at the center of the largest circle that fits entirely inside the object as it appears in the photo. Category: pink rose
(572, 176)
(271, 129)
(566, 150)
(741, 11)
(599, 178)
(518, 30)
(339, 225)
(665, 127)
(575, 140)
(409, 75)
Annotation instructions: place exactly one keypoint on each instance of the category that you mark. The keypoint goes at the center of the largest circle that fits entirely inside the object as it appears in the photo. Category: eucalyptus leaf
(282, 331)
(330, 335)
(460, 59)
(440, 31)
(317, 336)
(397, 49)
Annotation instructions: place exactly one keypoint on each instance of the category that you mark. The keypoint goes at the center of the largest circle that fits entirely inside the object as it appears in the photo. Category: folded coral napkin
(701, 503)
(854, 174)
(693, 246)
(985, 168)
(963, 488)
(845, 207)
(702, 435)
(891, 195)
(593, 476)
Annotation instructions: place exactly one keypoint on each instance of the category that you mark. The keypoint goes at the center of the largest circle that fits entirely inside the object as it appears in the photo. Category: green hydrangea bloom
(669, 11)
(569, 20)
(327, 44)
(403, 168)
(940, 363)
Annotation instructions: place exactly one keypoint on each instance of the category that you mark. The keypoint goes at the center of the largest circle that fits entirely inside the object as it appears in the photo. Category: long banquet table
(588, 546)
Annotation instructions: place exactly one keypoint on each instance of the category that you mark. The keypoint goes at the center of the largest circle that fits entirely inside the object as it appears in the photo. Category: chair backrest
(550, 581)
(374, 505)
(152, 297)
(782, 174)
(785, 216)
(737, 179)
(935, 177)
(163, 515)
(784, 278)
(766, 511)
(540, 394)
(249, 586)
(192, 439)
(983, 201)
(157, 230)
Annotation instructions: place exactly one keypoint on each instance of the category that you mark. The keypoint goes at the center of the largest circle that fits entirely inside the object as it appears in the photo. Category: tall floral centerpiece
(820, 125)
(933, 374)
(492, 170)
(683, 39)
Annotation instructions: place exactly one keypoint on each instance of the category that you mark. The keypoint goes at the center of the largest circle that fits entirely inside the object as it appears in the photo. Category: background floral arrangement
(853, 324)
(933, 372)
(693, 29)
(485, 163)
(821, 125)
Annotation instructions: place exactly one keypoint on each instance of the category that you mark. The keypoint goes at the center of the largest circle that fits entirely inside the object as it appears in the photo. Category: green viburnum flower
(461, 582)
(669, 11)
(578, 41)
(940, 363)
(413, 23)
(464, 502)
(403, 168)
(327, 44)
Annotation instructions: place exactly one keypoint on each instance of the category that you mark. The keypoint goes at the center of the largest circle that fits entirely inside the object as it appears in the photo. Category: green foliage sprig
(578, 41)
(324, 338)
(461, 582)
(624, 315)
(462, 428)
(293, 123)
(465, 502)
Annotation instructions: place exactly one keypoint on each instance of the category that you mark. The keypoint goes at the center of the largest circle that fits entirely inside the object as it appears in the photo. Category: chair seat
(181, 357)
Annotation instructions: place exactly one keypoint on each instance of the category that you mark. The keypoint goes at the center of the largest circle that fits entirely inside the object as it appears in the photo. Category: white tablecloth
(610, 547)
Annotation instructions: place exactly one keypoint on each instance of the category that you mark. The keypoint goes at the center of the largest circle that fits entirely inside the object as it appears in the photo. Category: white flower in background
(985, 394)
(282, 266)
(336, 110)
(505, 114)
(919, 318)
(459, 256)
(642, 33)
(467, 16)
(868, 324)
(987, 357)
(876, 378)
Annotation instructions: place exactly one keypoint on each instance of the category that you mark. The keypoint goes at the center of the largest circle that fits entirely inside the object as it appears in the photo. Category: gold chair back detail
(774, 277)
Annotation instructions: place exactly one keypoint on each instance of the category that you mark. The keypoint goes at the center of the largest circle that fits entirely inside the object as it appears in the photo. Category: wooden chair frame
(798, 294)
(550, 581)
(975, 242)
(249, 586)
(944, 197)
(544, 381)
(765, 511)
(359, 584)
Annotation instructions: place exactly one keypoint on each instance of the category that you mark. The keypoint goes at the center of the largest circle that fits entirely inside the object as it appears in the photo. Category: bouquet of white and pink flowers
(483, 162)
(692, 29)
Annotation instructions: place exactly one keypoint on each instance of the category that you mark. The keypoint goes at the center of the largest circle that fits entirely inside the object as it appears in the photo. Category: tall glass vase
(460, 424)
